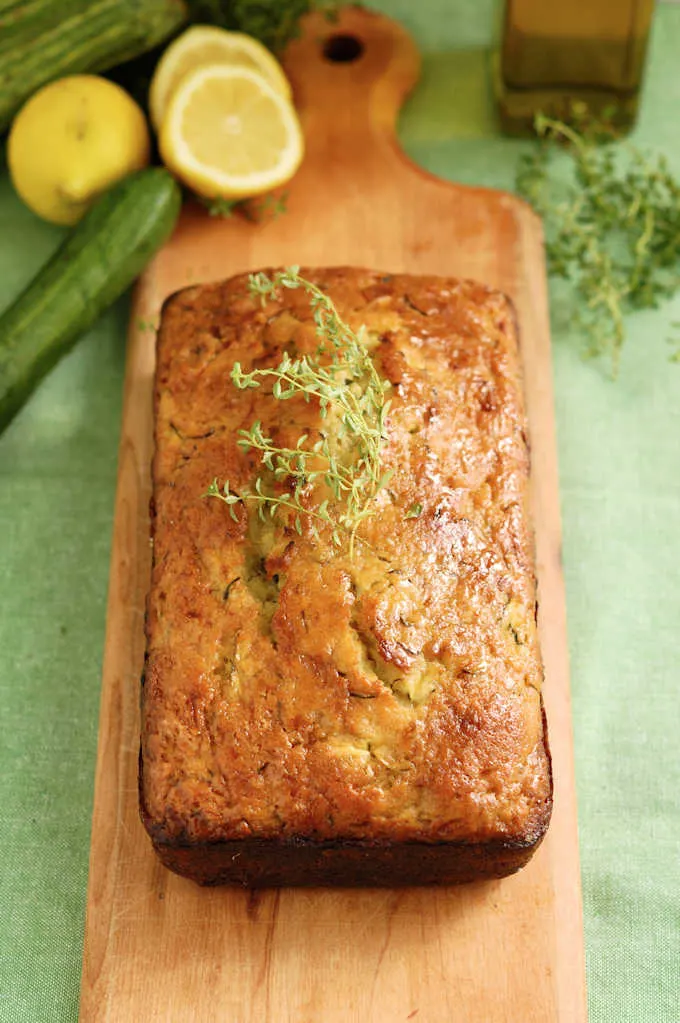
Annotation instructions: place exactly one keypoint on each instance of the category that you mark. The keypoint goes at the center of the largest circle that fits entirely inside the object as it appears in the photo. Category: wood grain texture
(158, 948)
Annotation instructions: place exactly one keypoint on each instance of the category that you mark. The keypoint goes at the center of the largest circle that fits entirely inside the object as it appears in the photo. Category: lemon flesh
(203, 45)
(228, 133)
(71, 141)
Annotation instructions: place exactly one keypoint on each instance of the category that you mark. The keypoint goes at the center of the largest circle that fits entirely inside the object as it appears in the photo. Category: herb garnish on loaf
(341, 462)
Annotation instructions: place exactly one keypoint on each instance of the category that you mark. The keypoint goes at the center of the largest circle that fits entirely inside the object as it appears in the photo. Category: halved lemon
(201, 45)
(228, 133)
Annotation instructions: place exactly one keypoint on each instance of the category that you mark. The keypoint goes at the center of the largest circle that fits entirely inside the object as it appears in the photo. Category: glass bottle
(554, 54)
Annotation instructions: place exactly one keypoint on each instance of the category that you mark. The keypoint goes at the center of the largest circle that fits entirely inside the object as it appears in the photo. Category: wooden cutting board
(158, 948)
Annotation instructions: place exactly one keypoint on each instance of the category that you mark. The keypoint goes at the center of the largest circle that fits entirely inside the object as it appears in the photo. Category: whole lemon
(71, 141)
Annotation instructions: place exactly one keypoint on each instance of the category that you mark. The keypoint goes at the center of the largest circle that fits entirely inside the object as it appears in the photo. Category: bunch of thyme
(273, 22)
(612, 227)
(345, 460)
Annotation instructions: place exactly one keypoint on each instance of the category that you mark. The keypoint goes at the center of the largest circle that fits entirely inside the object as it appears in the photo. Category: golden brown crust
(295, 693)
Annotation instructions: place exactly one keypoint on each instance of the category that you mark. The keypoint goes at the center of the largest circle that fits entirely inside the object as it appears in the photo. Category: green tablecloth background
(619, 452)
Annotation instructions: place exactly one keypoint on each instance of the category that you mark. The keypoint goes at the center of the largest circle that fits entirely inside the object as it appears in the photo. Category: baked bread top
(296, 689)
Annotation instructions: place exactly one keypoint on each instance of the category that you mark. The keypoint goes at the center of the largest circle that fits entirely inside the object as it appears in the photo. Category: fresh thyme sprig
(273, 22)
(269, 207)
(221, 207)
(612, 227)
(344, 463)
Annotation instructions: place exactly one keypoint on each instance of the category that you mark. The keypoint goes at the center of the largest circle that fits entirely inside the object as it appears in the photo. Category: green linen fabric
(619, 453)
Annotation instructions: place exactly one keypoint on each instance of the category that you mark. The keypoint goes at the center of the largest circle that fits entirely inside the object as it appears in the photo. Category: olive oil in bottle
(553, 55)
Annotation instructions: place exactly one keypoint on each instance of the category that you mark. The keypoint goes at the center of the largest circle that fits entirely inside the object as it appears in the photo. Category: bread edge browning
(306, 863)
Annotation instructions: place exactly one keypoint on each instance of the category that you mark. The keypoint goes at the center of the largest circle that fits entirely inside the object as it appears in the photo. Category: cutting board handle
(350, 76)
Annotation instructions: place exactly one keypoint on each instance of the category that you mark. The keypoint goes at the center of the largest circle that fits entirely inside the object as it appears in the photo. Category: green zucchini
(96, 262)
(41, 40)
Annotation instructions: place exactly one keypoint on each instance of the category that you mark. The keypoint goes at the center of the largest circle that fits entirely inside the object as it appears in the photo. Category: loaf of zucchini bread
(364, 710)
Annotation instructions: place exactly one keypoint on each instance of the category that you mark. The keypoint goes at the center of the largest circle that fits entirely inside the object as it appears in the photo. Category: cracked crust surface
(296, 694)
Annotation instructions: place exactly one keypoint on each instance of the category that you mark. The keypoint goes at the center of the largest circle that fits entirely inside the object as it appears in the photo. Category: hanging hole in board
(343, 49)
